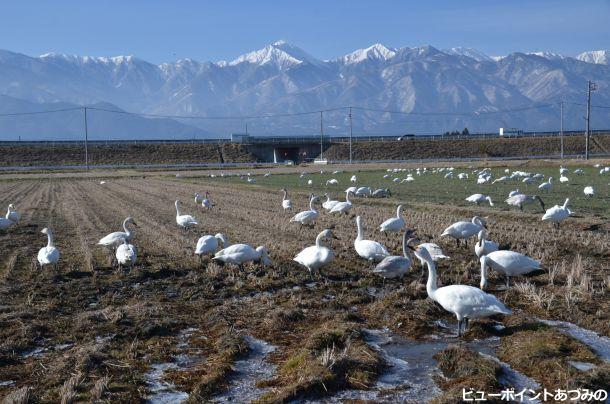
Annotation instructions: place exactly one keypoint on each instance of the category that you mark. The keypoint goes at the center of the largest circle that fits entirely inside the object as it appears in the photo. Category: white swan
(316, 256)
(198, 199)
(464, 230)
(184, 221)
(521, 199)
(588, 191)
(546, 186)
(353, 179)
(484, 246)
(205, 202)
(12, 214)
(393, 224)
(307, 217)
(126, 254)
(48, 255)
(364, 191)
(332, 181)
(381, 193)
(328, 204)
(368, 249)
(466, 302)
(238, 254)
(115, 239)
(557, 213)
(396, 266)
(435, 251)
(508, 263)
(209, 244)
(478, 198)
(286, 203)
(342, 207)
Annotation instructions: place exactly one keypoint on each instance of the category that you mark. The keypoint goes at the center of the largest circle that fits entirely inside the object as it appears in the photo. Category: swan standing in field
(563, 179)
(126, 254)
(484, 246)
(396, 266)
(368, 249)
(521, 199)
(546, 186)
(286, 203)
(588, 191)
(332, 181)
(381, 193)
(316, 256)
(342, 207)
(205, 202)
(12, 214)
(557, 213)
(115, 239)
(478, 198)
(353, 180)
(508, 263)
(207, 245)
(184, 221)
(466, 302)
(238, 254)
(328, 204)
(464, 230)
(393, 224)
(364, 191)
(514, 192)
(307, 217)
(198, 199)
(48, 255)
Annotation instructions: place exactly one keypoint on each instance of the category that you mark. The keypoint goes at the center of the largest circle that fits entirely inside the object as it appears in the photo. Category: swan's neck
(398, 211)
(360, 232)
(319, 240)
(50, 239)
(565, 204)
(483, 270)
(431, 284)
(347, 197)
(311, 207)
(404, 245)
(285, 194)
(127, 230)
(177, 210)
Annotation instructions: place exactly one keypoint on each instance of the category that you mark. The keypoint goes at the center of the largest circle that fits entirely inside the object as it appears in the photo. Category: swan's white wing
(468, 301)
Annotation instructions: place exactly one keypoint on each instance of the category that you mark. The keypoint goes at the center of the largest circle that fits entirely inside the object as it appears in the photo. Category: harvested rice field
(177, 328)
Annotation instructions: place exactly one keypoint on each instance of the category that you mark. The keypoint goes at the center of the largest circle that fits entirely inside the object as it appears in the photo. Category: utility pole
(351, 132)
(321, 134)
(590, 87)
(561, 126)
(86, 141)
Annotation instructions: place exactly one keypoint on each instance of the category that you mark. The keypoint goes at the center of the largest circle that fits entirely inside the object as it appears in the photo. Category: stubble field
(91, 333)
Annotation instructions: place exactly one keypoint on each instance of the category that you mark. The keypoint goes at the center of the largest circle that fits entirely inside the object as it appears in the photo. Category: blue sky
(160, 31)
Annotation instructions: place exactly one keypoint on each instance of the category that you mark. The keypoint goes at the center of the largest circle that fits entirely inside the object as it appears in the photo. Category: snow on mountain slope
(469, 52)
(376, 52)
(597, 57)
(280, 53)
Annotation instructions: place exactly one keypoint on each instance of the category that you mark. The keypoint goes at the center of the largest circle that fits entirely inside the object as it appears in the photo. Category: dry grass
(316, 329)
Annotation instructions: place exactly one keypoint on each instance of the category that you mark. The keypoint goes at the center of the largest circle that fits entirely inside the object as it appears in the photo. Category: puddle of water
(165, 392)
(582, 366)
(512, 378)
(34, 352)
(410, 376)
(599, 344)
(247, 372)
(7, 383)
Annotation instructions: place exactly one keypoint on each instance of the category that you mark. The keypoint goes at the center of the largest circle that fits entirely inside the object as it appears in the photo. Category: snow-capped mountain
(376, 52)
(442, 89)
(469, 52)
(598, 57)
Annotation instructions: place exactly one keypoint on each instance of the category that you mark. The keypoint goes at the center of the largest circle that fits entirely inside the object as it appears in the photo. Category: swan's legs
(507, 281)
(457, 242)
(459, 328)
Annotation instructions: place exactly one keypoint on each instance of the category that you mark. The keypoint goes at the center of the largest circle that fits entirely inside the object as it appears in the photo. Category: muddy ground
(88, 332)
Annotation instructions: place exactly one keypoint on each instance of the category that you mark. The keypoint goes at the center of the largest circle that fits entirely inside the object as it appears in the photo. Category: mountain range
(427, 89)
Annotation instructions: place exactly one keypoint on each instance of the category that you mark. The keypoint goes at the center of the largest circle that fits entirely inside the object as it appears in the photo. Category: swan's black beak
(410, 247)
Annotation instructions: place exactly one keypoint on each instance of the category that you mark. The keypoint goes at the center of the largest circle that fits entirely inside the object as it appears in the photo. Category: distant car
(288, 162)
(404, 137)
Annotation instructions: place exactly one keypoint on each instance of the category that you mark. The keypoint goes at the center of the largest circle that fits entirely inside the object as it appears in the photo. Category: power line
(50, 111)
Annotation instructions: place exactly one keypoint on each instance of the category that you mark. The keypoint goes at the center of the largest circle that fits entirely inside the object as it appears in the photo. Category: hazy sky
(160, 31)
